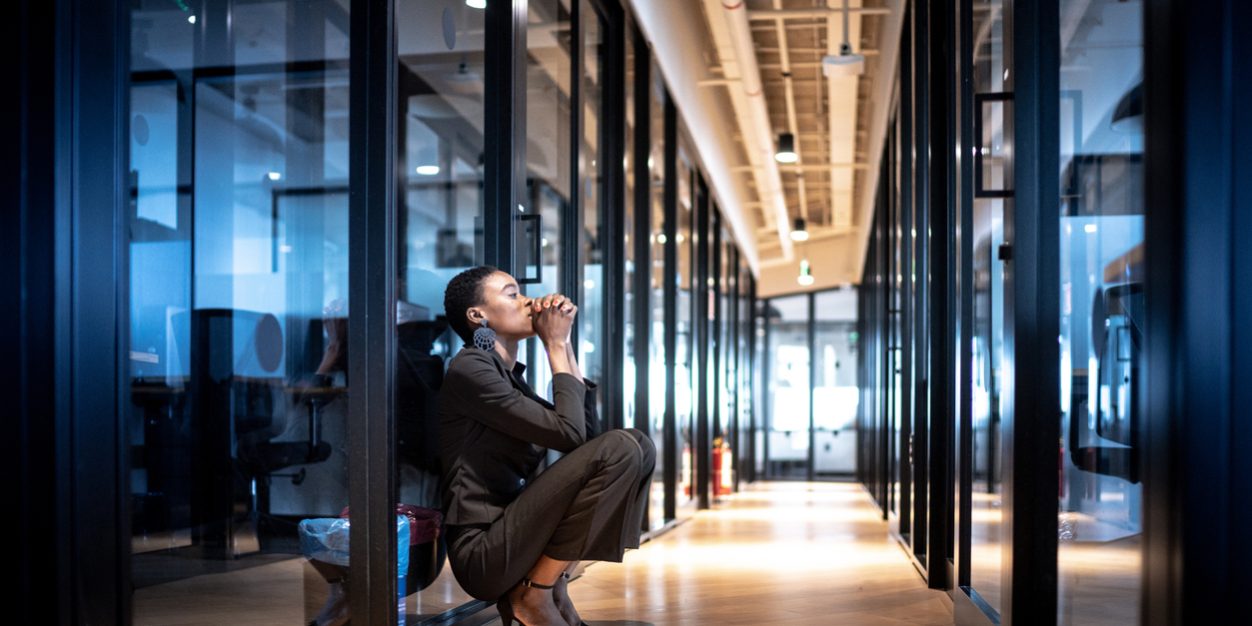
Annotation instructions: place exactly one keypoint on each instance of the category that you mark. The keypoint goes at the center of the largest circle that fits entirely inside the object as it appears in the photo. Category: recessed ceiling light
(428, 170)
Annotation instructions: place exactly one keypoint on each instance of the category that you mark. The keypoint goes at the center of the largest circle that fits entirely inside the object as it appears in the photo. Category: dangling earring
(484, 338)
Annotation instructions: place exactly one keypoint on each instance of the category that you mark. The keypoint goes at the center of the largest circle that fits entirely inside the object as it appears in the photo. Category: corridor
(775, 553)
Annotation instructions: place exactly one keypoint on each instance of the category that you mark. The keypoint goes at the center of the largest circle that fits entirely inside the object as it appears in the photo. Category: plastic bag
(326, 539)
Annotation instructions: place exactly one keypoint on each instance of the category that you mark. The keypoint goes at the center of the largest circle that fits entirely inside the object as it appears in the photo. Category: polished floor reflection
(776, 553)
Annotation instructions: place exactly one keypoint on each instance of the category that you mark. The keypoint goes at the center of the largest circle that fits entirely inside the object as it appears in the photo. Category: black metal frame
(504, 180)
(700, 326)
(612, 198)
(980, 100)
(67, 131)
(670, 193)
(1032, 311)
(942, 288)
(1198, 271)
(964, 175)
(371, 280)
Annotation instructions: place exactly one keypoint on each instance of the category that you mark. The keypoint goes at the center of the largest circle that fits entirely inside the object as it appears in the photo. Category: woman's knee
(630, 447)
(646, 448)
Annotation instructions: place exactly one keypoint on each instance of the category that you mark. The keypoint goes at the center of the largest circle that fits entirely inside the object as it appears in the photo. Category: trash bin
(325, 540)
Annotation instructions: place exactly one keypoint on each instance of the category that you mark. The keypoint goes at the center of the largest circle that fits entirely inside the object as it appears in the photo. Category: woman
(514, 537)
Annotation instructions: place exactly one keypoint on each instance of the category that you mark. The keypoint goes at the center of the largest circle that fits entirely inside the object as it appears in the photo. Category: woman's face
(504, 307)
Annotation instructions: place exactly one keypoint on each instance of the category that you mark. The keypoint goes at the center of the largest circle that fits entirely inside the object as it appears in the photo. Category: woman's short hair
(464, 291)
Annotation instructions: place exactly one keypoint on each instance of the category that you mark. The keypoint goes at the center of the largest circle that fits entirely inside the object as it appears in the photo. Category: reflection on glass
(788, 391)
(548, 119)
(723, 437)
(629, 262)
(238, 248)
(684, 368)
(657, 367)
(745, 398)
(439, 222)
(591, 313)
(1102, 312)
(835, 391)
(990, 67)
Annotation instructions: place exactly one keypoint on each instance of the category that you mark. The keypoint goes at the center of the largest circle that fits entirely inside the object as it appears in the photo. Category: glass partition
(835, 391)
(658, 366)
(788, 390)
(549, 73)
(991, 179)
(685, 381)
(440, 45)
(238, 244)
(630, 269)
(1102, 316)
(593, 320)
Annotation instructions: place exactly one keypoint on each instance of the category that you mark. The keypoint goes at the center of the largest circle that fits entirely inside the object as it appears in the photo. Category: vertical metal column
(612, 206)
(700, 326)
(671, 307)
(811, 343)
(371, 325)
(1032, 310)
(504, 121)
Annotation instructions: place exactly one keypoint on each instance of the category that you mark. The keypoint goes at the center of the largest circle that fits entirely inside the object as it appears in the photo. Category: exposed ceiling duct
(676, 30)
(732, 37)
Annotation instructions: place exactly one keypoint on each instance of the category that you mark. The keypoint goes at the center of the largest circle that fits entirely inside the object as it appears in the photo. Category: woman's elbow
(570, 441)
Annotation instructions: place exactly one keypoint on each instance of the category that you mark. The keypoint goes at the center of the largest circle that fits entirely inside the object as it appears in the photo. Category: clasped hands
(553, 317)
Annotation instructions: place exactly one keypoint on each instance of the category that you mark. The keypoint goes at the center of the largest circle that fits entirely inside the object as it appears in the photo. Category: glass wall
(835, 391)
(990, 67)
(238, 305)
(239, 302)
(549, 168)
(658, 360)
(1102, 315)
(685, 381)
(440, 217)
(592, 314)
(724, 436)
(788, 390)
(630, 262)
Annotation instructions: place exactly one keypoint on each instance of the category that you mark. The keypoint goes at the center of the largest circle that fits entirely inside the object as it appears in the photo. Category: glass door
(835, 391)
(787, 388)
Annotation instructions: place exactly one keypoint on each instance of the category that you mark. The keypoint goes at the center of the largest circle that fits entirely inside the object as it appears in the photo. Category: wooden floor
(777, 553)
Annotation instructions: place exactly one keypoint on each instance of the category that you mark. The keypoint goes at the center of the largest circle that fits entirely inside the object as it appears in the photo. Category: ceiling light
(1090, 229)
(799, 232)
(274, 175)
(428, 170)
(806, 274)
(786, 149)
(476, 4)
(845, 63)
(191, 19)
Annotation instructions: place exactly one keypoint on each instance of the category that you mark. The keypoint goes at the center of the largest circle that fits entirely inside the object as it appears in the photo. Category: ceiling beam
(803, 14)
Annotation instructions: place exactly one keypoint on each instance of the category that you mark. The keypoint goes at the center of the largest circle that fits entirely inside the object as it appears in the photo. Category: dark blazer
(494, 431)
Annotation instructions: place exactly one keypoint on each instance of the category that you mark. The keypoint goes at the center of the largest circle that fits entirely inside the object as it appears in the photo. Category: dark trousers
(589, 505)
